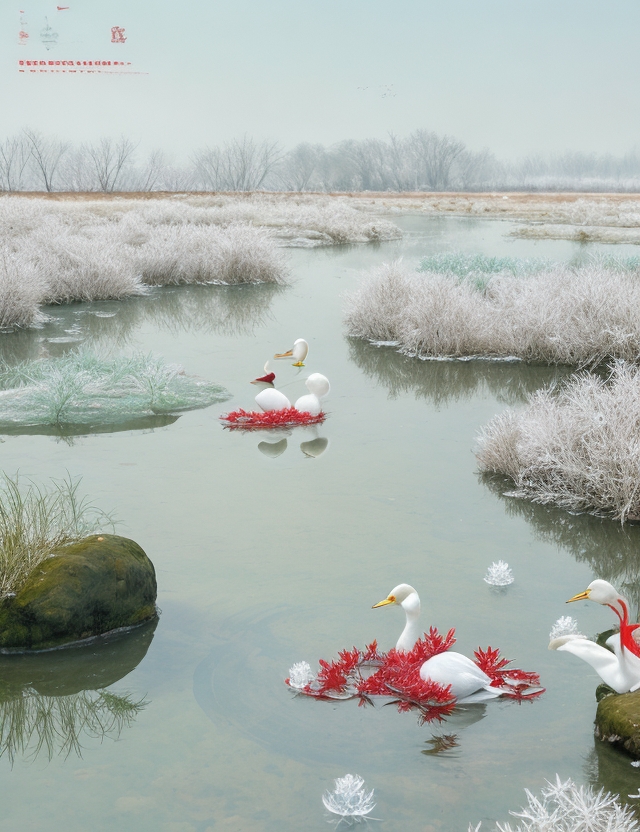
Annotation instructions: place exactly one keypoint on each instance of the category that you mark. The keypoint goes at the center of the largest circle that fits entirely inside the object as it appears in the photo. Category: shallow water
(267, 555)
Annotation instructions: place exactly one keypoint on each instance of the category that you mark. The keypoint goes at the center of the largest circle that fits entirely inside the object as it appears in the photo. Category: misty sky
(516, 77)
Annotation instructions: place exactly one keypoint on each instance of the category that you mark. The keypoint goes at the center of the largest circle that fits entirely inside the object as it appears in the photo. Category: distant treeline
(423, 161)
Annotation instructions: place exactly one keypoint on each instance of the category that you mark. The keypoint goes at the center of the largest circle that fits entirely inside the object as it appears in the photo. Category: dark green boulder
(99, 584)
(618, 720)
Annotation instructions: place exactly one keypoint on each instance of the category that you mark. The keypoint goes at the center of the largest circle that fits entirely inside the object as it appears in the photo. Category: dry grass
(35, 520)
(577, 447)
(561, 315)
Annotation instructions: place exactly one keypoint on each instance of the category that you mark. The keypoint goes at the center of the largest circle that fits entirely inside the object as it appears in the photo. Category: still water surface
(267, 555)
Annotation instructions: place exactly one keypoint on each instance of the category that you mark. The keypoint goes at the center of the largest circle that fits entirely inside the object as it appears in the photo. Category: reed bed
(35, 520)
(555, 314)
(576, 446)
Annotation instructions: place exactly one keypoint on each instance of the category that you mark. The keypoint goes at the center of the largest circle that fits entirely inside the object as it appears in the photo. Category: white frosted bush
(577, 447)
(565, 807)
(178, 254)
(560, 315)
(21, 292)
(349, 799)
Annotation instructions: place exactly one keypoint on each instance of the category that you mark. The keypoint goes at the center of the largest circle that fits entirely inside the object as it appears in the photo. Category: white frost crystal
(565, 807)
(499, 574)
(300, 675)
(349, 798)
(564, 626)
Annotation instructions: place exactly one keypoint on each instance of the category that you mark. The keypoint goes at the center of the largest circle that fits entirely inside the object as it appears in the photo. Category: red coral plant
(363, 675)
(257, 419)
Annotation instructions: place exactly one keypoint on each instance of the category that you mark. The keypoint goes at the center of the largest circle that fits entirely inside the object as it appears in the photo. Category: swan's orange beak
(581, 596)
(287, 354)
(390, 600)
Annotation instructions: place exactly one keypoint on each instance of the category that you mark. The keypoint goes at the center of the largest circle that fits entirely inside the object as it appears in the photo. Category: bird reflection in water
(52, 703)
(312, 448)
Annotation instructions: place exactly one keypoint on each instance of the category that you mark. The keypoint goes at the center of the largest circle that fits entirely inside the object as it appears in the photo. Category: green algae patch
(618, 721)
(85, 589)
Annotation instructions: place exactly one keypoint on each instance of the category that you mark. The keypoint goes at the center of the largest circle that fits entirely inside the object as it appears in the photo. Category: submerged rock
(102, 583)
(618, 719)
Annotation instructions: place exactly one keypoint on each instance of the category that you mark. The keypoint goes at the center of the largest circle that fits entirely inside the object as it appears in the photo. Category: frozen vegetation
(474, 307)
(58, 251)
(565, 807)
(35, 520)
(576, 447)
(83, 389)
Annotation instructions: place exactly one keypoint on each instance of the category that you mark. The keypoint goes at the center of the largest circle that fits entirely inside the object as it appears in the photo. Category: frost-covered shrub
(21, 292)
(577, 447)
(565, 807)
(179, 254)
(559, 315)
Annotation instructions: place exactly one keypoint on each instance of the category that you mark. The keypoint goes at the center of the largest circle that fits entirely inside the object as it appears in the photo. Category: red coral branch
(396, 675)
(257, 419)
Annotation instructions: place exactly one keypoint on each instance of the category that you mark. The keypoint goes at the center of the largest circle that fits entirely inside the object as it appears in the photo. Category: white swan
(298, 351)
(619, 669)
(318, 387)
(468, 683)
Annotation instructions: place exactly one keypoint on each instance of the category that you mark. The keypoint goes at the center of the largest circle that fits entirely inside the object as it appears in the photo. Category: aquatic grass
(82, 388)
(35, 520)
(566, 807)
(464, 265)
(576, 446)
(562, 315)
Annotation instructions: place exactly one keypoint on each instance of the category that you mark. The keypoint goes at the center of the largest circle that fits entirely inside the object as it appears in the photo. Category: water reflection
(443, 382)
(220, 310)
(611, 549)
(69, 433)
(273, 447)
(52, 703)
(606, 768)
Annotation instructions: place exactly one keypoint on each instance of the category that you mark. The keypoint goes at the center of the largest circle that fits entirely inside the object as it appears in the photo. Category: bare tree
(474, 171)
(109, 158)
(76, 171)
(14, 158)
(45, 155)
(240, 165)
(297, 168)
(151, 176)
(370, 160)
(434, 158)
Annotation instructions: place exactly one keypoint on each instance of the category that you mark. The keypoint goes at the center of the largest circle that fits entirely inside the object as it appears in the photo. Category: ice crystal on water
(564, 626)
(300, 675)
(499, 574)
(349, 798)
(565, 807)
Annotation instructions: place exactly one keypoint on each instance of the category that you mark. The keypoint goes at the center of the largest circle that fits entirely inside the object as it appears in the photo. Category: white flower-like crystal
(300, 675)
(349, 798)
(499, 574)
(567, 807)
(564, 626)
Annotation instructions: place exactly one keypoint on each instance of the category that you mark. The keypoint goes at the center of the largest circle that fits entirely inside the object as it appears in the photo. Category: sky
(515, 77)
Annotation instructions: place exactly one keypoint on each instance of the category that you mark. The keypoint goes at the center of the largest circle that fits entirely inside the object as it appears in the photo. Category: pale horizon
(517, 79)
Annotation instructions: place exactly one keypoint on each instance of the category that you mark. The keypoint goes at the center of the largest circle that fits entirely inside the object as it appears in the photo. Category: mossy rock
(618, 720)
(102, 583)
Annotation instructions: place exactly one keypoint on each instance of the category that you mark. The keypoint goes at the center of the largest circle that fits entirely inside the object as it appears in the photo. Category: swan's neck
(411, 632)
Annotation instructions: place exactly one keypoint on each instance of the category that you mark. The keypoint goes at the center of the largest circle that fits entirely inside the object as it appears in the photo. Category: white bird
(298, 351)
(468, 683)
(318, 387)
(272, 399)
(619, 669)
